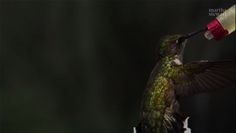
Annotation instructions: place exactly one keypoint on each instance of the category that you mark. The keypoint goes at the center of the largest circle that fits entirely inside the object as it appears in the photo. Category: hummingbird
(172, 79)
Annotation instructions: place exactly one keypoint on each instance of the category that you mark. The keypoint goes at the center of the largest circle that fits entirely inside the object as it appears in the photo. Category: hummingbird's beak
(189, 35)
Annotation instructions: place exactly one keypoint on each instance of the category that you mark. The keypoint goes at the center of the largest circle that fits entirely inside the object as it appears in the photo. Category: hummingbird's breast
(159, 93)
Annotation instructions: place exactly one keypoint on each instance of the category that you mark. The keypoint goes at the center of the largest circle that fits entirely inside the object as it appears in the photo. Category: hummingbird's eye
(181, 39)
(178, 41)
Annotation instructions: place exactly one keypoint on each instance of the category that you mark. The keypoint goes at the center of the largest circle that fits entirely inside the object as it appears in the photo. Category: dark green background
(81, 66)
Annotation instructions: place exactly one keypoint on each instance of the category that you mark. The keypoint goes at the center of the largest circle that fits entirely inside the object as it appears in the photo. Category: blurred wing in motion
(204, 76)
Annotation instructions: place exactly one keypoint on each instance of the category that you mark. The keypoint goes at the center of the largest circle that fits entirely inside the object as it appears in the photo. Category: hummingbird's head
(172, 45)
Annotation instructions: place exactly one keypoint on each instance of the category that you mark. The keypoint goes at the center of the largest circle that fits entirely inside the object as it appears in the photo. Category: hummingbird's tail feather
(174, 122)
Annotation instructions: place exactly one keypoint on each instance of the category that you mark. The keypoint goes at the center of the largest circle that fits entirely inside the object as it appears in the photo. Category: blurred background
(81, 66)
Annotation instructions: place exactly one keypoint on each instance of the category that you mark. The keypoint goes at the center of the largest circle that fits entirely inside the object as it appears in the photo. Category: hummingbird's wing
(204, 76)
